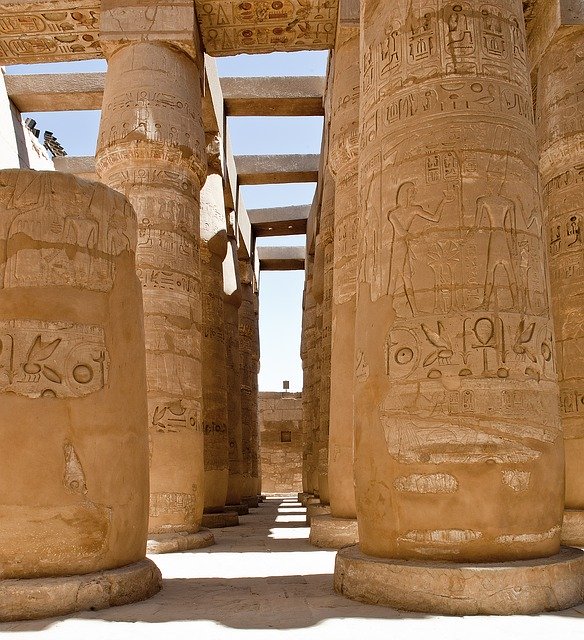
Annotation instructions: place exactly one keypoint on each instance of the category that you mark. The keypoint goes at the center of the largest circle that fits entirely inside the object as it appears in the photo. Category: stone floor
(263, 580)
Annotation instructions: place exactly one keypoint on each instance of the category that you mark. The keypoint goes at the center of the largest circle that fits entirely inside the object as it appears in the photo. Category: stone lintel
(522, 587)
(81, 166)
(277, 169)
(281, 258)
(279, 221)
(349, 11)
(286, 96)
(56, 91)
(48, 597)
(245, 240)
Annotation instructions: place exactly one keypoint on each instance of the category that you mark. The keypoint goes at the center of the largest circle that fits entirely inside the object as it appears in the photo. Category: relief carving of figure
(401, 219)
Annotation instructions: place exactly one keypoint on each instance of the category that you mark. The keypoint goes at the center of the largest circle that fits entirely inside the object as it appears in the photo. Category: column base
(34, 598)
(311, 500)
(303, 498)
(448, 588)
(573, 528)
(220, 520)
(313, 510)
(251, 501)
(240, 509)
(333, 533)
(173, 542)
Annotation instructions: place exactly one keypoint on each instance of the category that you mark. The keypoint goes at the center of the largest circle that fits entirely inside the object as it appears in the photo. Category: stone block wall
(280, 422)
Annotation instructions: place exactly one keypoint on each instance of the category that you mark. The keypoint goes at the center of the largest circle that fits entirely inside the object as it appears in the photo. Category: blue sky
(280, 292)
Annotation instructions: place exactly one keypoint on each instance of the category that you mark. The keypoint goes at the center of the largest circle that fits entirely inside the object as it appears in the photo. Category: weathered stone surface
(49, 597)
(454, 344)
(573, 528)
(343, 162)
(219, 520)
(497, 588)
(151, 147)
(560, 115)
(313, 510)
(330, 532)
(280, 422)
(235, 27)
(179, 541)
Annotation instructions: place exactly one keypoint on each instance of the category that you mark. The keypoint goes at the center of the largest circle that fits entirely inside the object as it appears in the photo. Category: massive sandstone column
(74, 458)
(248, 362)
(231, 304)
(459, 451)
(561, 135)
(341, 529)
(151, 147)
(214, 371)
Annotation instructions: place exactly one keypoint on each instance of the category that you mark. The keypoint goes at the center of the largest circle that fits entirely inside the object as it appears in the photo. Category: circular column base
(573, 528)
(173, 542)
(251, 501)
(311, 500)
(34, 598)
(333, 533)
(303, 498)
(313, 510)
(449, 588)
(220, 520)
(240, 509)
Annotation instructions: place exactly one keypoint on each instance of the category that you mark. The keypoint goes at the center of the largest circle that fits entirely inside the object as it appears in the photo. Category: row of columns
(449, 439)
(132, 327)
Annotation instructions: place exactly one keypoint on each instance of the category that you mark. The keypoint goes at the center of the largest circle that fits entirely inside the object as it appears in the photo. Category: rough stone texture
(213, 347)
(317, 510)
(241, 509)
(153, 150)
(457, 413)
(280, 420)
(74, 491)
(521, 587)
(333, 533)
(235, 27)
(248, 367)
(48, 597)
(559, 117)
(573, 528)
(343, 162)
(220, 520)
(181, 541)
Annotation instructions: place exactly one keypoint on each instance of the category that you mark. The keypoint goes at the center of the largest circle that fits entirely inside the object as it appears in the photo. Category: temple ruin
(436, 451)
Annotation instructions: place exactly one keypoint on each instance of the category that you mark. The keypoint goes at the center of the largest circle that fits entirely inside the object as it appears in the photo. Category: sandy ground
(264, 580)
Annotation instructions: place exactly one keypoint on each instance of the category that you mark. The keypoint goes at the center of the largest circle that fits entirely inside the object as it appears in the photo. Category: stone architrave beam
(277, 169)
(293, 96)
(281, 258)
(234, 27)
(81, 166)
(279, 221)
(286, 96)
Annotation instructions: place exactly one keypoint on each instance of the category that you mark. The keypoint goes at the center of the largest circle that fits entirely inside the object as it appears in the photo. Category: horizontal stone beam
(279, 221)
(286, 96)
(281, 258)
(81, 166)
(277, 169)
(293, 96)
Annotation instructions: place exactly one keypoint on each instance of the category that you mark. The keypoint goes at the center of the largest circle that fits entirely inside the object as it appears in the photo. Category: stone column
(560, 117)
(309, 425)
(458, 445)
(74, 496)
(256, 472)
(151, 147)
(341, 529)
(231, 304)
(214, 355)
(248, 372)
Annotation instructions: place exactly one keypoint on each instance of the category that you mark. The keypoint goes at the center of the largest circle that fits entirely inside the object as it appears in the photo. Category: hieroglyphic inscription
(30, 34)
(52, 359)
(262, 26)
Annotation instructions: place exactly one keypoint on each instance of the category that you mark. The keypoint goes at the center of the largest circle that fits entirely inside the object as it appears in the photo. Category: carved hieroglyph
(560, 119)
(343, 162)
(231, 303)
(151, 147)
(454, 358)
(310, 397)
(263, 26)
(248, 368)
(48, 32)
(74, 488)
(213, 355)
